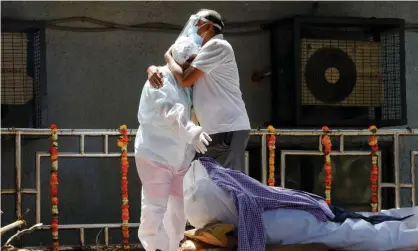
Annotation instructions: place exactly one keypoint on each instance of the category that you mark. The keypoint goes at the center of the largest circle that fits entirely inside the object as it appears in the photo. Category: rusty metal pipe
(11, 226)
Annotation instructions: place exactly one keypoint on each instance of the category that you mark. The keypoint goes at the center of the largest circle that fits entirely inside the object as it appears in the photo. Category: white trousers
(285, 226)
(162, 211)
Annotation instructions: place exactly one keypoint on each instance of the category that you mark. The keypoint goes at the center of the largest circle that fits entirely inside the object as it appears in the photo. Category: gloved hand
(201, 141)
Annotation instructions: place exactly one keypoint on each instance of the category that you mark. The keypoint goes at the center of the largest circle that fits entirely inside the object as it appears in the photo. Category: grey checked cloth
(252, 198)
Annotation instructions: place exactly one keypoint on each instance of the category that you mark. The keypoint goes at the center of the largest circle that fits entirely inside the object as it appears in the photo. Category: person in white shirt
(217, 98)
(165, 145)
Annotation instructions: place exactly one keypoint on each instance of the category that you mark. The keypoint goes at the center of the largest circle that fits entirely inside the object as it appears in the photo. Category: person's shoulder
(219, 43)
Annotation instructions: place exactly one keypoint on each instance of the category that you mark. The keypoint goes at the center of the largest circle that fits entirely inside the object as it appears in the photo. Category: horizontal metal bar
(318, 153)
(89, 226)
(86, 155)
(407, 186)
(88, 247)
(387, 185)
(69, 132)
(283, 132)
(24, 191)
(394, 185)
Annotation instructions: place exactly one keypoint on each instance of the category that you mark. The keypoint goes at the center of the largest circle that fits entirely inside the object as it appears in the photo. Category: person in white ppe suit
(165, 145)
(206, 202)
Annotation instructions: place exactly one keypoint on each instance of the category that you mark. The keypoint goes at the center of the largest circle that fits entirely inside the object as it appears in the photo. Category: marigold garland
(326, 149)
(53, 150)
(271, 139)
(374, 176)
(123, 141)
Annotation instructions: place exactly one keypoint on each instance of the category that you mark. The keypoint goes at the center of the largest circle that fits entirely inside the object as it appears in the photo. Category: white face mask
(198, 40)
(191, 28)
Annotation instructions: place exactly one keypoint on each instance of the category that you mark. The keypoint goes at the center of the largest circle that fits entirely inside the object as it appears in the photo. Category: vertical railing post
(264, 159)
(396, 167)
(413, 189)
(18, 167)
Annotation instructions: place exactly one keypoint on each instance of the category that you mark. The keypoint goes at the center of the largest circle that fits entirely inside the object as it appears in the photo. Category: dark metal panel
(36, 65)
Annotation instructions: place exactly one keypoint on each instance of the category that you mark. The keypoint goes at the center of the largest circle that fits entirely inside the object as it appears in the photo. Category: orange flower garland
(53, 150)
(271, 139)
(123, 141)
(375, 170)
(326, 149)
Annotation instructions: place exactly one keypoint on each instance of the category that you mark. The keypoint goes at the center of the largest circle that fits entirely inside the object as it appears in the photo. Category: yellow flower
(123, 127)
(328, 194)
(327, 158)
(372, 127)
(271, 129)
(55, 165)
(55, 209)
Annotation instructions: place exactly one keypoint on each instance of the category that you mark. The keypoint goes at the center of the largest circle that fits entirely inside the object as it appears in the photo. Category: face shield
(191, 28)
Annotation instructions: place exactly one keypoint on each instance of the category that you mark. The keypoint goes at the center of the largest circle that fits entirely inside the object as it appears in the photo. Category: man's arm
(185, 79)
(209, 57)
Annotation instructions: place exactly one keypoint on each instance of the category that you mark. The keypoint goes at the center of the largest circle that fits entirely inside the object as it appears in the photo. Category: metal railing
(105, 133)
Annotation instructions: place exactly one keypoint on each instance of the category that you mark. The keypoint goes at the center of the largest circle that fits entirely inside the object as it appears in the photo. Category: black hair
(215, 18)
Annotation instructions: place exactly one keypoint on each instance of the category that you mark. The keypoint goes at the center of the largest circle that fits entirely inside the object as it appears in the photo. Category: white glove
(201, 141)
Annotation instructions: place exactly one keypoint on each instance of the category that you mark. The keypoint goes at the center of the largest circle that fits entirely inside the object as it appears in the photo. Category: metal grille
(365, 57)
(391, 75)
(345, 72)
(353, 69)
(17, 86)
(38, 79)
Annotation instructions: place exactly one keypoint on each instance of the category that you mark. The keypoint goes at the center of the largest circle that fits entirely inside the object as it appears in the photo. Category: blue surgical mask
(198, 40)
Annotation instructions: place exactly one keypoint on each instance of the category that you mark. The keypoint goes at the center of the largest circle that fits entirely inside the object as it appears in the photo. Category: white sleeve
(211, 56)
(162, 107)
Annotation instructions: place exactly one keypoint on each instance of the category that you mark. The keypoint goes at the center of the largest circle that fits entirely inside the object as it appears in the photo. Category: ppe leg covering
(287, 226)
(162, 211)
(175, 219)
